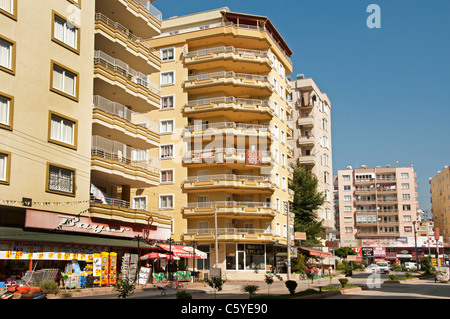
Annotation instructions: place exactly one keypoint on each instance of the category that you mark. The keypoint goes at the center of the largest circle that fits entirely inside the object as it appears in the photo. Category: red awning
(183, 251)
(155, 256)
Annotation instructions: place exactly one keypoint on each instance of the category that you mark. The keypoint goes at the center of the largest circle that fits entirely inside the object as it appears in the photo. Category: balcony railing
(229, 74)
(229, 204)
(119, 152)
(230, 99)
(122, 68)
(209, 178)
(221, 155)
(223, 125)
(224, 49)
(206, 231)
(147, 4)
(117, 109)
(117, 26)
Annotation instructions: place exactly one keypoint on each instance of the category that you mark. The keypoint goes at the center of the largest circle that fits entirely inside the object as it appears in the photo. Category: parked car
(410, 266)
(380, 267)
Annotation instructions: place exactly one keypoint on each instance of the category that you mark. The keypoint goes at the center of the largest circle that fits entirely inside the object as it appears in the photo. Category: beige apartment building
(376, 205)
(78, 87)
(440, 202)
(224, 151)
(311, 142)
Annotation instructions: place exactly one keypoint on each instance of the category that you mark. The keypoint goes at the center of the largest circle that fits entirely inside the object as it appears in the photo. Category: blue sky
(388, 87)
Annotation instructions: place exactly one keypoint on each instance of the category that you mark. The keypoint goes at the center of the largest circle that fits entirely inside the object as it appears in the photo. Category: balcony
(219, 56)
(243, 209)
(259, 236)
(223, 181)
(306, 140)
(123, 165)
(239, 107)
(306, 121)
(138, 15)
(228, 82)
(115, 80)
(123, 125)
(307, 160)
(114, 37)
(227, 156)
(107, 207)
(262, 131)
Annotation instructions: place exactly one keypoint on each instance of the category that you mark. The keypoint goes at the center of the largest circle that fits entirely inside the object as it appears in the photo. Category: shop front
(82, 250)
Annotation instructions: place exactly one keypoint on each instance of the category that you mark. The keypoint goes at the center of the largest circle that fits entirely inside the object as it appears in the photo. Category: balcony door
(203, 201)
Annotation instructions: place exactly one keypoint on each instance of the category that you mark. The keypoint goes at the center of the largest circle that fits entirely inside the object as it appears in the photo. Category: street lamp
(415, 244)
(193, 243)
(170, 240)
(138, 238)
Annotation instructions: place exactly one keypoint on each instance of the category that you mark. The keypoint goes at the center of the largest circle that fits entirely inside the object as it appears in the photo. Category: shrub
(183, 295)
(291, 285)
(343, 281)
(269, 280)
(251, 289)
(392, 277)
(125, 288)
(49, 286)
(216, 283)
(407, 274)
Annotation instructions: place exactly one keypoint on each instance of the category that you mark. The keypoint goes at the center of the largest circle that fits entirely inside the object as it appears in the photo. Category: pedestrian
(319, 274)
(311, 274)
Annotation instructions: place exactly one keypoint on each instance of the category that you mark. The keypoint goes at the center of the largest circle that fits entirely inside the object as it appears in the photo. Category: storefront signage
(367, 251)
(254, 249)
(47, 220)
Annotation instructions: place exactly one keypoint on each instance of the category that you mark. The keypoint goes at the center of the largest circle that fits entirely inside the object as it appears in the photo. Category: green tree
(307, 200)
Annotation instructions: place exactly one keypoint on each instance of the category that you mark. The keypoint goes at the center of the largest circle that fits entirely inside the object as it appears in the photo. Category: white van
(410, 266)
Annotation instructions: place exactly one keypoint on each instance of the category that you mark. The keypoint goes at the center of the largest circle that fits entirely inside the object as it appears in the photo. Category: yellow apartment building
(77, 141)
(440, 202)
(224, 130)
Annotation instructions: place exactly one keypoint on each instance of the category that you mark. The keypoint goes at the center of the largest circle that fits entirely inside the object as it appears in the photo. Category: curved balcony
(123, 125)
(261, 131)
(252, 109)
(257, 60)
(228, 156)
(138, 15)
(123, 165)
(230, 234)
(115, 80)
(126, 46)
(230, 208)
(212, 183)
(228, 82)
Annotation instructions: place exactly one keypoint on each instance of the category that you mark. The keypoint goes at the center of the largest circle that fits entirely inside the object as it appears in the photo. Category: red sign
(253, 158)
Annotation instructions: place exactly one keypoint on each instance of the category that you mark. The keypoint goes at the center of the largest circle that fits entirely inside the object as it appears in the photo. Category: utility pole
(286, 204)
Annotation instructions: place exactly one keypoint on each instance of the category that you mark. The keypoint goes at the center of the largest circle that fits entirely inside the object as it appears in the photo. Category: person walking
(312, 275)
(319, 274)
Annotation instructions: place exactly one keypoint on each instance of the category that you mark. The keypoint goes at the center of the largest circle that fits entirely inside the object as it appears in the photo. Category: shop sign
(379, 252)
(357, 250)
(29, 251)
(47, 220)
(367, 251)
(254, 249)
(299, 236)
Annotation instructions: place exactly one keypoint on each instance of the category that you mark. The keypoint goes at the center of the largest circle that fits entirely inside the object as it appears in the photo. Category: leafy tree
(343, 252)
(306, 202)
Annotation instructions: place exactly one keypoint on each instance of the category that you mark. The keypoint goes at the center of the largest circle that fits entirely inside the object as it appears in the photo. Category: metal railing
(225, 74)
(150, 8)
(119, 152)
(230, 204)
(219, 153)
(122, 68)
(117, 109)
(251, 231)
(232, 177)
(225, 49)
(117, 26)
(224, 125)
(229, 99)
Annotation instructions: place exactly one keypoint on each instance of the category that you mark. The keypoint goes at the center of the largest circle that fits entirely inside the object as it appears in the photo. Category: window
(166, 201)
(277, 180)
(7, 55)
(347, 187)
(406, 207)
(64, 81)
(167, 54)
(65, 33)
(405, 186)
(283, 183)
(61, 180)
(9, 7)
(167, 176)
(346, 177)
(140, 202)
(347, 198)
(407, 218)
(76, 2)
(405, 196)
(167, 103)
(6, 111)
(62, 130)
(168, 78)
(347, 208)
(166, 151)
(5, 164)
(166, 127)
(404, 175)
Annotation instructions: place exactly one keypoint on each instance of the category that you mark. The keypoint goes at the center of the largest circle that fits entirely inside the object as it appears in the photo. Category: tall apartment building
(376, 203)
(311, 142)
(224, 132)
(77, 146)
(440, 201)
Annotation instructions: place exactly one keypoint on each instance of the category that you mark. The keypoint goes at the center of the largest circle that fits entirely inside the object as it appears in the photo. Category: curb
(332, 293)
